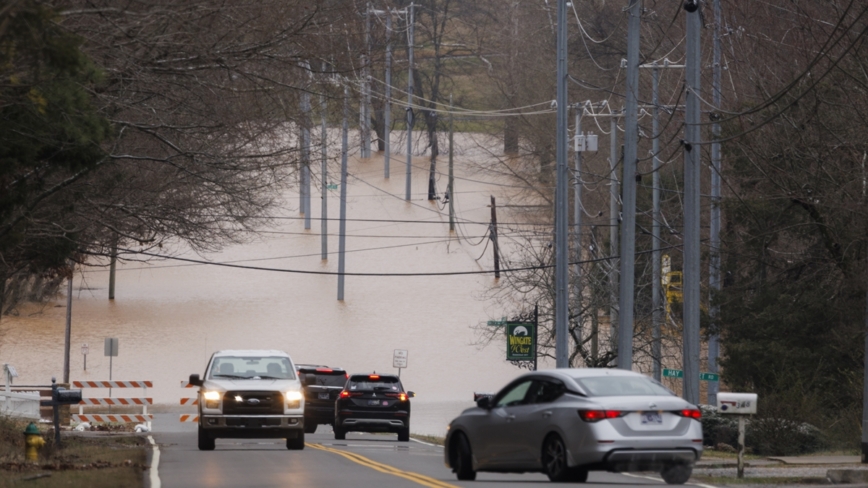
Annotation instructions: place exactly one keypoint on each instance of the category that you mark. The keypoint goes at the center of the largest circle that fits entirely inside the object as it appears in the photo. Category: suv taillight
(347, 394)
(400, 396)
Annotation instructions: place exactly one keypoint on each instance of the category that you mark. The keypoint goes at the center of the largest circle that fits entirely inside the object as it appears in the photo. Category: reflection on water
(169, 316)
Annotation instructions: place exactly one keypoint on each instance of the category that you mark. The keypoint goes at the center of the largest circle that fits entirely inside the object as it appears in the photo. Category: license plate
(373, 402)
(323, 396)
(651, 418)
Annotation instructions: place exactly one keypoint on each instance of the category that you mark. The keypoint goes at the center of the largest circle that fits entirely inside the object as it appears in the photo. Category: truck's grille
(252, 403)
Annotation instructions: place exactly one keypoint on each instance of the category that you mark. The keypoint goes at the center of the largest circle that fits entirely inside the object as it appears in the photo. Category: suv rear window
(330, 379)
(371, 383)
(240, 367)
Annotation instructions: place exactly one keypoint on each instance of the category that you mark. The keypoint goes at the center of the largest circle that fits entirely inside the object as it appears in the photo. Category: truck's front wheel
(206, 442)
(296, 444)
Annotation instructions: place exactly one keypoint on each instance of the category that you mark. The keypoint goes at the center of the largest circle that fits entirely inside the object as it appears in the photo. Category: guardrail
(187, 417)
(100, 418)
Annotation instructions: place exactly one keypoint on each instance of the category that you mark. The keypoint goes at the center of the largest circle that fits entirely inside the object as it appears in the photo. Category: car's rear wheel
(297, 443)
(206, 442)
(462, 462)
(404, 435)
(676, 474)
(309, 427)
(554, 458)
(340, 434)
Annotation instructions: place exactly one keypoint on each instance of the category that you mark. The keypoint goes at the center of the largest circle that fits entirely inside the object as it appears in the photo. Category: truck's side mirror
(308, 379)
(195, 380)
(411, 394)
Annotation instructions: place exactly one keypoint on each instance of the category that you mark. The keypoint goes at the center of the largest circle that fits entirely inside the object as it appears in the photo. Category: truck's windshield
(250, 367)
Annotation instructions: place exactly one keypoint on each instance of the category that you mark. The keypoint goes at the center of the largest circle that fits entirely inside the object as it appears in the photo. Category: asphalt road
(359, 461)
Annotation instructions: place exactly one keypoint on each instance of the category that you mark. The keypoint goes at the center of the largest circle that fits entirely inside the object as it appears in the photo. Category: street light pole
(562, 356)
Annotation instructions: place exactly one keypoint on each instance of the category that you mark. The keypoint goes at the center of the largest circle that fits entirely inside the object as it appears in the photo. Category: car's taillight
(691, 413)
(374, 377)
(347, 394)
(324, 370)
(597, 415)
(400, 396)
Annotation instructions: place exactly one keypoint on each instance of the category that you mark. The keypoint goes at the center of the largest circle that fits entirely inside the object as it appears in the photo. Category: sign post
(520, 341)
(111, 350)
(84, 350)
(399, 360)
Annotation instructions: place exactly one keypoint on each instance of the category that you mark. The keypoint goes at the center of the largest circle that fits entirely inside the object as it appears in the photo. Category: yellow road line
(385, 468)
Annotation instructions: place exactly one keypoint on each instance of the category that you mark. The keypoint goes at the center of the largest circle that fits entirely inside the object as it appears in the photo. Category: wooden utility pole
(451, 189)
(494, 238)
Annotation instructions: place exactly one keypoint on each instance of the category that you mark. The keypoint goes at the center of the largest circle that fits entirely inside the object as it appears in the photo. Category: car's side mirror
(308, 379)
(484, 402)
(195, 380)
(411, 394)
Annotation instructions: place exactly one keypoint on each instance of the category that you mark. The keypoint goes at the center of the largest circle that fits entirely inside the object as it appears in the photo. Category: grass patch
(431, 439)
(712, 454)
(94, 461)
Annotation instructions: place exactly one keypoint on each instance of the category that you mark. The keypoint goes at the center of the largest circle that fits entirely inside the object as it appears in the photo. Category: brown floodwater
(169, 316)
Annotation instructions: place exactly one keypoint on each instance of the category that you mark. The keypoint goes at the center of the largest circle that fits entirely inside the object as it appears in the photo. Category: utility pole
(692, 167)
(68, 332)
(387, 110)
(410, 41)
(614, 222)
(451, 190)
(577, 214)
(562, 353)
(342, 232)
(113, 267)
(305, 155)
(324, 173)
(628, 202)
(657, 317)
(366, 101)
(714, 221)
(493, 235)
(656, 279)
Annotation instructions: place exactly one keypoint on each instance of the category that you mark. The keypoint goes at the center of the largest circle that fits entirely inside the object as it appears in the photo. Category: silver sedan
(566, 422)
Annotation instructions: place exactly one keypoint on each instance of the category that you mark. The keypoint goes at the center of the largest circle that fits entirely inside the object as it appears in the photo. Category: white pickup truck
(250, 394)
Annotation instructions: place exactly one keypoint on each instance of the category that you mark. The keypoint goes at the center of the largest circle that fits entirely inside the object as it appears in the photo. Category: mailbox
(736, 403)
(62, 396)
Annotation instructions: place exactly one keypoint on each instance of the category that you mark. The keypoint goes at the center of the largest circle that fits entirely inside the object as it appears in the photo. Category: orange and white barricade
(189, 417)
(143, 402)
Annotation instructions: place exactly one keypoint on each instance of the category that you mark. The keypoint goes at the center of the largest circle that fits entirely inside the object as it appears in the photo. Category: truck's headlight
(212, 399)
(293, 398)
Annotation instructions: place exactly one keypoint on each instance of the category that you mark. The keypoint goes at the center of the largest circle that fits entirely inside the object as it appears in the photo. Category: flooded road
(169, 316)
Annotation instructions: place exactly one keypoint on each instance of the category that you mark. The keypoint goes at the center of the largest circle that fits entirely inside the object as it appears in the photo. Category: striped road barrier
(117, 401)
(143, 402)
(189, 417)
(100, 418)
(113, 384)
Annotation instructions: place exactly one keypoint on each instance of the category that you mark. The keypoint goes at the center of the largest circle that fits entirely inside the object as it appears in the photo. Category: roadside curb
(847, 476)
(151, 476)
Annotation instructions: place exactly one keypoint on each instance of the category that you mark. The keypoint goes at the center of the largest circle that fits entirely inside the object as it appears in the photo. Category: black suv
(320, 395)
(373, 403)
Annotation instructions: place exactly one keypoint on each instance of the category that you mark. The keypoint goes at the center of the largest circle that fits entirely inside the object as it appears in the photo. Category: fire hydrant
(32, 442)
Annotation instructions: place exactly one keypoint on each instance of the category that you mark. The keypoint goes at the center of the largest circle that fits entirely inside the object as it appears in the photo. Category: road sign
(332, 186)
(85, 349)
(399, 358)
(111, 346)
(673, 373)
(497, 323)
(709, 377)
(520, 341)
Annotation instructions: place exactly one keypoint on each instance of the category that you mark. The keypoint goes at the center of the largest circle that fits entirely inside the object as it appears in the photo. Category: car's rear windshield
(622, 386)
(369, 383)
(330, 379)
(252, 367)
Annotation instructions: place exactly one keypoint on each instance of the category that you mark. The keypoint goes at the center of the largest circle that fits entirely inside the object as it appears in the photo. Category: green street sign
(709, 377)
(497, 323)
(332, 186)
(520, 341)
(673, 373)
